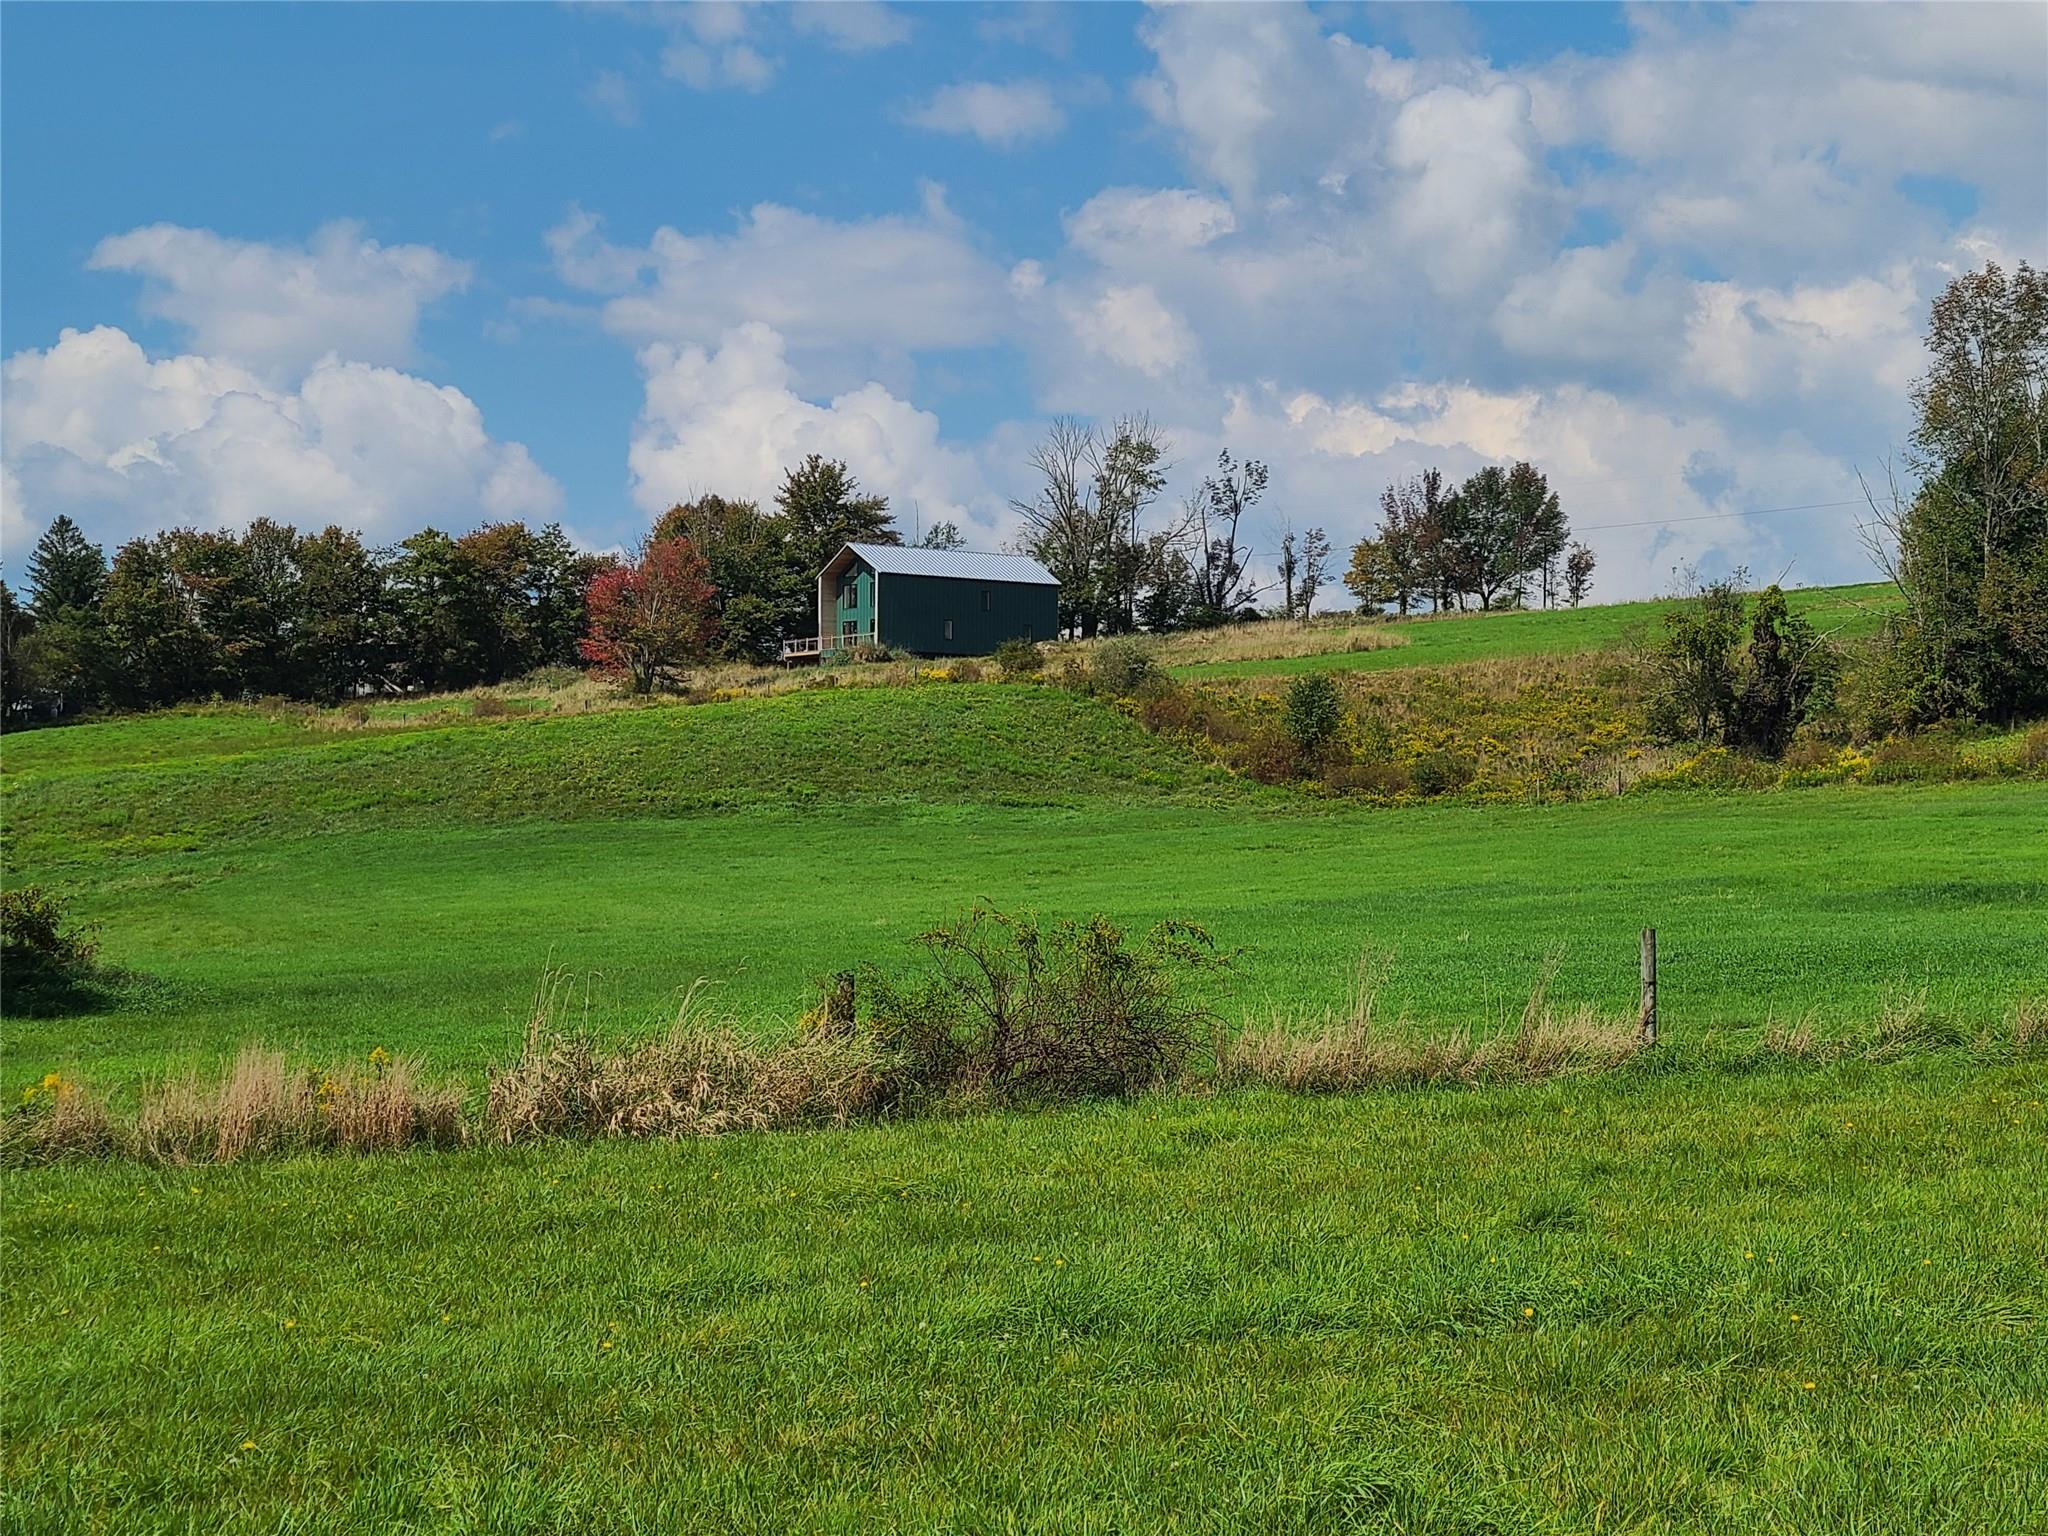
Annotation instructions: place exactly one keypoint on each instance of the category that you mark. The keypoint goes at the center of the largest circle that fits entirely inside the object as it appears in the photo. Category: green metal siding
(854, 602)
(915, 610)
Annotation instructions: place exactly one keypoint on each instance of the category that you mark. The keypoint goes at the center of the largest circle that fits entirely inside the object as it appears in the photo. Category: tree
(1578, 574)
(650, 618)
(1215, 515)
(822, 504)
(64, 652)
(1370, 576)
(159, 654)
(820, 507)
(64, 571)
(1502, 527)
(945, 535)
(1969, 548)
(16, 625)
(1084, 523)
(1693, 664)
(1400, 565)
(1788, 670)
(344, 633)
(1130, 472)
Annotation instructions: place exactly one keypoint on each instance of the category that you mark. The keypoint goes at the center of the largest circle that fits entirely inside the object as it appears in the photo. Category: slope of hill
(404, 888)
(1848, 613)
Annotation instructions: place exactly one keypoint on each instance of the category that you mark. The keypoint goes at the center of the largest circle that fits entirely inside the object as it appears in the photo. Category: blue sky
(391, 265)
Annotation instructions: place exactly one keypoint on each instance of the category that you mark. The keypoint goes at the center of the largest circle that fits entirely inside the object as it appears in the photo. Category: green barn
(932, 602)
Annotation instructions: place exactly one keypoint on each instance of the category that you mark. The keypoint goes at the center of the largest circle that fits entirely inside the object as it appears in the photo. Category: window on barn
(986, 598)
(949, 629)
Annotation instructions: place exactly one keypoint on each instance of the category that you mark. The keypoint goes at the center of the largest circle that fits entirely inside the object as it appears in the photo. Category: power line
(1708, 517)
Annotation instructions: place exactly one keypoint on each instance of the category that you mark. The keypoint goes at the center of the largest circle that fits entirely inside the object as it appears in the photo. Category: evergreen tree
(65, 571)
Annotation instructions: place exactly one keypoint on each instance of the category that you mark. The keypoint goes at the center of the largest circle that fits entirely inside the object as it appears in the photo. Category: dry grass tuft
(2029, 1023)
(1349, 1052)
(264, 1106)
(57, 1120)
(697, 1079)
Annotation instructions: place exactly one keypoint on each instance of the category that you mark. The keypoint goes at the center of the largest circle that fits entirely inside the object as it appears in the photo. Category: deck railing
(823, 645)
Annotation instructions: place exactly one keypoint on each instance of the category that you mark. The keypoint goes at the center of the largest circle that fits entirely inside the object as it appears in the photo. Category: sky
(398, 266)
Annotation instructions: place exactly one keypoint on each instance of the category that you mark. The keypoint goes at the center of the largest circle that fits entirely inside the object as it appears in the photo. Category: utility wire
(1708, 517)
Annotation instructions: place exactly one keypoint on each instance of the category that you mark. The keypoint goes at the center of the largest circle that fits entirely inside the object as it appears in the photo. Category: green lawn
(1692, 1295)
(1789, 1302)
(1845, 612)
(406, 891)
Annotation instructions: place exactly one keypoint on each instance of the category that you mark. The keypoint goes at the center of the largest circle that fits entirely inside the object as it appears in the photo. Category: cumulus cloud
(894, 281)
(127, 445)
(1125, 224)
(1127, 324)
(1003, 113)
(280, 308)
(729, 418)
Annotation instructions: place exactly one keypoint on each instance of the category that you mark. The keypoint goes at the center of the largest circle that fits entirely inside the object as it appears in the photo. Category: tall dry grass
(263, 1105)
(1350, 1051)
(1272, 640)
(698, 1078)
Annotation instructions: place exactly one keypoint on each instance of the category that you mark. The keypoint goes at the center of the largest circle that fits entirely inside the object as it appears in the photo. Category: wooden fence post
(1648, 1019)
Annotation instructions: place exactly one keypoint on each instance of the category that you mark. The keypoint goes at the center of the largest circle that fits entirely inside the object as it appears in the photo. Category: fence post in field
(839, 1005)
(1648, 1019)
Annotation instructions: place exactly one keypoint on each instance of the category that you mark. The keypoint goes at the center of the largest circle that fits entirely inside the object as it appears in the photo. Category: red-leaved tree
(649, 618)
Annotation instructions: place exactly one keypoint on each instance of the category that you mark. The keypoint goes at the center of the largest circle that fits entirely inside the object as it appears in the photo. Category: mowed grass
(407, 891)
(1847, 613)
(1688, 1296)
(1809, 1301)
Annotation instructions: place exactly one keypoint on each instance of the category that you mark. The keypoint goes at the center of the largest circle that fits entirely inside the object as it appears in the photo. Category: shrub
(33, 933)
(966, 670)
(48, 961)
(1314, 711)
(2034, 751)
(489, 706)
(1019, 658)
(1121, 665)
(1442, 772)
(1014, 1008)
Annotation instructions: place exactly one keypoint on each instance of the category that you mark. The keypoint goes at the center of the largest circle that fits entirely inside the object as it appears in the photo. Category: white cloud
(1469, 181)
(852, 26)
(611, 95)
(1128, 324)
(729, 419)
(127, 445)
(892, 281)
(280, 308)
(1005, 114)
(1124, 224)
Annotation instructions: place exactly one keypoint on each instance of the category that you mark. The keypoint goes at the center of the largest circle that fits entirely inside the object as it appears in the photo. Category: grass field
(339, 893)
(1847, 613)
(1806, 1302)
(1697, 1294)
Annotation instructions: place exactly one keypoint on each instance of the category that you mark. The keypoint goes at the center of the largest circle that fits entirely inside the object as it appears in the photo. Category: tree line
(195, 614)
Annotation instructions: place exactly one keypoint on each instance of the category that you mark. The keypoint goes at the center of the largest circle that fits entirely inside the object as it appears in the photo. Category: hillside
(342, 890)
(930, 1322)
(1847, 613)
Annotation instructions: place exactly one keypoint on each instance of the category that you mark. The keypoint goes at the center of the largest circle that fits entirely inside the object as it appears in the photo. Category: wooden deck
(818, 647)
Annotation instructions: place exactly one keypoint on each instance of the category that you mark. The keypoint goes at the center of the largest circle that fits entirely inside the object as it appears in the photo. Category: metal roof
(963, 564)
